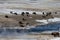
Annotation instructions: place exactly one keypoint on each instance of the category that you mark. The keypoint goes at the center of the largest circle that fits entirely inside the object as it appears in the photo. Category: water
(37, 29)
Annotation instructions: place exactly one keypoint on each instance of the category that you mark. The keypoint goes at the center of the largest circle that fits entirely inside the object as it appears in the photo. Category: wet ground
(38, 29)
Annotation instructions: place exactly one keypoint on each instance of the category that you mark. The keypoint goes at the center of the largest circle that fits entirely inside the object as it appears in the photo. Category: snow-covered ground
(7, 11)
(56, 38)
(44, 21)
(32, 37)
(28, 37)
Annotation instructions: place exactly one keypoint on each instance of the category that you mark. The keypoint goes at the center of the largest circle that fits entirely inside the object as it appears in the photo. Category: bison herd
(27, 13)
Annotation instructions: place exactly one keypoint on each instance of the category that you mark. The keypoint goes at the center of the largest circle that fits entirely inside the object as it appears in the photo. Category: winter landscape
(29, 19)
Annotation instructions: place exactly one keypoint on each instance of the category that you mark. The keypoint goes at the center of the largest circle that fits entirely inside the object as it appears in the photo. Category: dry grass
(14, 19)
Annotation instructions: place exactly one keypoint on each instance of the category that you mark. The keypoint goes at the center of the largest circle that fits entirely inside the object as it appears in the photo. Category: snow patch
(48, 20)
(54, 20)
(56, 38)
(43, 21)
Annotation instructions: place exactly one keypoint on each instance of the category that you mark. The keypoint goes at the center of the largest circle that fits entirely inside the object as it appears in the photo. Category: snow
(18, 11)
(56, 38)
(54, 20)
(48, 20)
(43, 21)
(48, 32)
